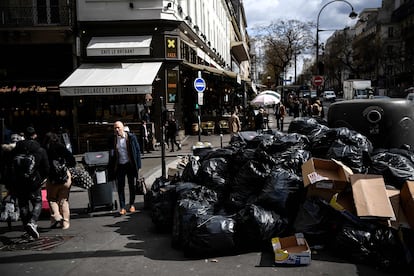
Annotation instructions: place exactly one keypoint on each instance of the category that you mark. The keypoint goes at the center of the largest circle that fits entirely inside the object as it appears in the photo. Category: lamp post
(352, 15)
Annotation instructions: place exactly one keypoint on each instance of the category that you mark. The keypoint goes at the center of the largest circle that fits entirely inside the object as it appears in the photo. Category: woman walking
(59, 181)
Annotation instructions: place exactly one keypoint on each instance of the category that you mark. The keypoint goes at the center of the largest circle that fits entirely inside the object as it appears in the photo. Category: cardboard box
(292, 250)
(407, 201)
(370, 197)
(324, 178)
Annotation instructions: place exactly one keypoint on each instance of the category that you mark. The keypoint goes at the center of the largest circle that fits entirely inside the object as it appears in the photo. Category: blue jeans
(125, 170)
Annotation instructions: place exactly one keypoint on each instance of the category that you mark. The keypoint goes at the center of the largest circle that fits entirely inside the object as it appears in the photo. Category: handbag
(80, 177)
(140, 186)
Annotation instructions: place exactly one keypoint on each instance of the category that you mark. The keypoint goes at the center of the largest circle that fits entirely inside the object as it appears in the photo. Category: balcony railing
(31, 16)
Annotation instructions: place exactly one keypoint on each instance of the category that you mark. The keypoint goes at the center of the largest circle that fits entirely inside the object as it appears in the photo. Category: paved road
(103, 243)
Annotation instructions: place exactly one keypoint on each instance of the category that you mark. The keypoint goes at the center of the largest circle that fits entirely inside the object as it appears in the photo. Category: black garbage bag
(321, 140)
(226, 153)
(282, 141)
(316, 220)
(190, 172)
(213, 173)
(188, 206)
(352, 148)
(154, 190)
(209, 235)
(255, 226)
(396, 167)
(353, 244)
(162, 208)
(305, 125)
(292, 160)
(388, 251)
(281, 192)
(380, 247)
(247, 182)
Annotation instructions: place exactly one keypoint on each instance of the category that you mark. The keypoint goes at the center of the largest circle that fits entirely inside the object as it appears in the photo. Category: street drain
(42, 243)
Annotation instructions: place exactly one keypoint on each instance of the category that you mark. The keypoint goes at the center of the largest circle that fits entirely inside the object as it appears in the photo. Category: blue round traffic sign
(200, 85)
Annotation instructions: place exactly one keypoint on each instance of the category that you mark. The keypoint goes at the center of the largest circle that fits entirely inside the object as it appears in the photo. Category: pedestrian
(126, 155)
(59, 181)
(30, 167)
(317, 110)
(259, 120)
(234, 123)
(145, 136)
(280, 114)
(172, 129)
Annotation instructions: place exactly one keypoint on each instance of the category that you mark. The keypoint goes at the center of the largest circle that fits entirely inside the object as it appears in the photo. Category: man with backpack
(29, 170)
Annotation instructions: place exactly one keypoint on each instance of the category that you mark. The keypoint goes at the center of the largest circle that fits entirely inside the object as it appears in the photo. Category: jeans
(125, 170)
(35, 198)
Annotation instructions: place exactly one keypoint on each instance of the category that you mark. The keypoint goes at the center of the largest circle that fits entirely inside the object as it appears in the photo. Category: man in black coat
(30, 190)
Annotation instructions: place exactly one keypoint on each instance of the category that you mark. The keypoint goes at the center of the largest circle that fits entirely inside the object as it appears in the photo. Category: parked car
(329, 96)
(410, 97)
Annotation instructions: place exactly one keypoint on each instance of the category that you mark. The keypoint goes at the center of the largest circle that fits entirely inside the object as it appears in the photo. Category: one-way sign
(199, 85)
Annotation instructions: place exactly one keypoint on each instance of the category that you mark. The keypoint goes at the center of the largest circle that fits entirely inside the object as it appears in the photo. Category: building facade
(128, 58)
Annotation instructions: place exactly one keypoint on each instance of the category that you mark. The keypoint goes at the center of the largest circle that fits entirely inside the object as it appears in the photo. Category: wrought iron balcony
(32, 16)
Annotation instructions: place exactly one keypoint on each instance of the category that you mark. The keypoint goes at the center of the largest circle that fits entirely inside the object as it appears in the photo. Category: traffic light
(196, 106)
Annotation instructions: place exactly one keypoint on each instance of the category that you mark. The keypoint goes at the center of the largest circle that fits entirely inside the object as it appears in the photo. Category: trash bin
(101, 193)
(387, 123)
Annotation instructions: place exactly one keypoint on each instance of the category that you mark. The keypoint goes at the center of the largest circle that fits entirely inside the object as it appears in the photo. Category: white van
(329, 96)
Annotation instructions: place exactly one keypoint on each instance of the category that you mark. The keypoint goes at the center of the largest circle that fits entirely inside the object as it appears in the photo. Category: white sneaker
(31, 229)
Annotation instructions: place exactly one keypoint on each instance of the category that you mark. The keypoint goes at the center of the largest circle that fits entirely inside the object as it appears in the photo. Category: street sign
(200, 98)
(318, 80)
(199, 85)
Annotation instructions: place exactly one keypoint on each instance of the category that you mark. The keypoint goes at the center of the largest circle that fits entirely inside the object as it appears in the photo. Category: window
(390, 31)
(46, 11)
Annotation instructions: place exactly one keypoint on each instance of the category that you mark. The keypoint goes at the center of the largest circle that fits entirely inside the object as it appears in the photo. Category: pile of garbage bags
(240, 196)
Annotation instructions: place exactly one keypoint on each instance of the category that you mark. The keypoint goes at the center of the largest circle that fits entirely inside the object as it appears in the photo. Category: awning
(119, 46)
(239, 50)
(111, 79)
(212, 70)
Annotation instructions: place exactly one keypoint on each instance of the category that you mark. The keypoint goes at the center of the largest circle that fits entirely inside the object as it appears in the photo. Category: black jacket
(56, 151)
(42, 161)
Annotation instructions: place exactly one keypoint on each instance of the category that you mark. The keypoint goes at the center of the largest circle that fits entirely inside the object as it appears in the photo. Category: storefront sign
(171, 47)
(114, 90)
(172, 79)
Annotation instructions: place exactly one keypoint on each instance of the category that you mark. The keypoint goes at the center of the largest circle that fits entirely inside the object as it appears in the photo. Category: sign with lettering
(105, 90)
(171, 47)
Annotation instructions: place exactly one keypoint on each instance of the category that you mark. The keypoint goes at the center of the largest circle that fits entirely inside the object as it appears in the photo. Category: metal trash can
(101, 193)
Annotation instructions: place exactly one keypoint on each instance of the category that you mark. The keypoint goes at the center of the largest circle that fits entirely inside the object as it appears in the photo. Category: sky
(334, 16)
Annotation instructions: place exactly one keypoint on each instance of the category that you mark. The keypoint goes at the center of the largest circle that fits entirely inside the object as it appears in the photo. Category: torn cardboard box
(324, 178)
(292, 250)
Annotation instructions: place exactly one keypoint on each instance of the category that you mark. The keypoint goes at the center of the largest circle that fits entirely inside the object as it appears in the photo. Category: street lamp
(352, 15)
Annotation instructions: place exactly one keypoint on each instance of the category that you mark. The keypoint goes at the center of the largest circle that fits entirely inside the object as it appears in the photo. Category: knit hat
(30, 131)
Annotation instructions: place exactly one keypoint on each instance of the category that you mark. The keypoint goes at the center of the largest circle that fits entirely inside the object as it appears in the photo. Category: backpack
(24, 167)
(59, 171)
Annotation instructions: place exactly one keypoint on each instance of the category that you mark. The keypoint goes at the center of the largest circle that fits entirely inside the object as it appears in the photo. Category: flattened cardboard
(292, 250)
(370, 197)
(407, 201)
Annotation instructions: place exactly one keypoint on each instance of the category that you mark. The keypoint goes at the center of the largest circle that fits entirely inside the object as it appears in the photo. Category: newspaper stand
(101, 193)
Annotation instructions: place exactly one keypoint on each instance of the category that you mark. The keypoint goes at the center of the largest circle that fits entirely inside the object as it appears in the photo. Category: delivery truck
(356, 89)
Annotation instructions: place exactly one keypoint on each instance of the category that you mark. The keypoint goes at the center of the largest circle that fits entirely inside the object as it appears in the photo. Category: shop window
(47, 11)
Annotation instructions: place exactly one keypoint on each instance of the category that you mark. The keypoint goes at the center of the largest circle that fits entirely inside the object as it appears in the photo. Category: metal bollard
(221, 140)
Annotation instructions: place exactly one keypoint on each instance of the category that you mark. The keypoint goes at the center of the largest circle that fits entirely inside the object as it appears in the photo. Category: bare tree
(283, 40)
